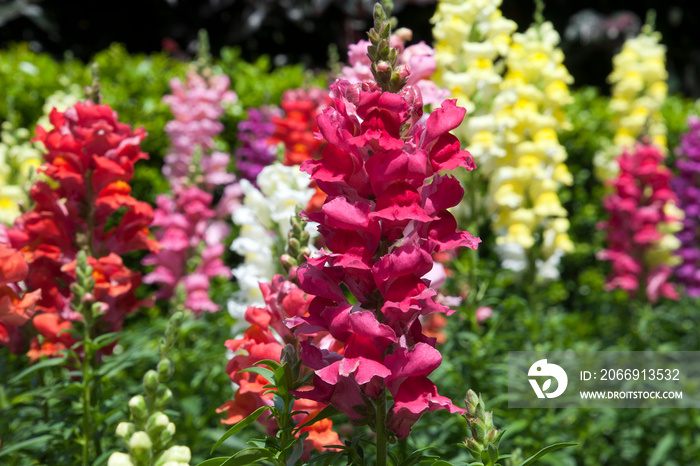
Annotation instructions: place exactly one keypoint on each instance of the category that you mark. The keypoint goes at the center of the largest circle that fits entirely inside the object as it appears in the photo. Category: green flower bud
(163, 397)
(175, 455)
(125, 429)
(293, 246)
(156, 423)
(150, 382)
(474, 448)
(478, 430)
(119, 459)
(165, 370)
(138, 408)
(167, 435)
(140, 445)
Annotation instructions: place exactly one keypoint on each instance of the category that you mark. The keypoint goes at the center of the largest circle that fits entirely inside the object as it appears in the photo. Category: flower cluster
(296, 128)
(472, 37)
(264, 219)
(256, 152)
(420, 59)
(523, 187)
(687, 188)
(188, 223)
(187, 231)
(639, 89)
(282, 300)
(83, 202)
(19, 159)
(16, 308)
(643, 218)
(385, 215)
(197, 105)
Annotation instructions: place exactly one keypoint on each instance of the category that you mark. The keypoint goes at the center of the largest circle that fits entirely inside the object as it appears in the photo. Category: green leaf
(267, 373)
(440, 463)
(328, 411)
(105, 340)
(52, 362)
(248, 456)
(214, 461)
(240, 425)
(43, 439)
(115, 219)
(268, 362)
(661, 450)
(546, 450)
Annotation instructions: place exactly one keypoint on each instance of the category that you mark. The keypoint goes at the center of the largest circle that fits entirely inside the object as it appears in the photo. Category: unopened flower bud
(293, 246)
(383, 67)
(163, 398)
(167, 434)
(288, 261)
(474, 448)
(125, 429)
(140, 445)
(156, 424)
(165, 370)
(138, 408)
(478, 430)
(150, 382)
(289, 355)
(119, 459)
(176, 454)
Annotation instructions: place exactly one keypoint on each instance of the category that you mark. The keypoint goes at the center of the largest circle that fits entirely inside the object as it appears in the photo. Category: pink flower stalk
(187, 230)
(190, 225)
(385, 215)
(638, 207)
(419, 57)
(687, 187)
(197, 107)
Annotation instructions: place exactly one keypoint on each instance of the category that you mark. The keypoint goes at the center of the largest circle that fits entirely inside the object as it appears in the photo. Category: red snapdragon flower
(637, 207)
(83, 201)
(385, 215)
(283, 299)
(297, 130)
(16, 308)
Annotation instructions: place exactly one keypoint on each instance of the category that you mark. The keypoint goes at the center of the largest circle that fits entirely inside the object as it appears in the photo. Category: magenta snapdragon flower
(641, 206)
(687, 187)
(385, 214)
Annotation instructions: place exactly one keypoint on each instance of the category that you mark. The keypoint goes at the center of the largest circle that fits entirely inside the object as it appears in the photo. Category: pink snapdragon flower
(197, 105)
(385, 215)
(190, 226)
(419, 57)
(642, 202)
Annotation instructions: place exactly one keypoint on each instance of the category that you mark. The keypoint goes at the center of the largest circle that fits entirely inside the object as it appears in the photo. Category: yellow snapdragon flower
(639, 89)
(526, 206)
(472, 37)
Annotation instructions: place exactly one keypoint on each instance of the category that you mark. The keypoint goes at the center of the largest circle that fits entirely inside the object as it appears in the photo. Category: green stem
(382, 438)
(474, 227)
(87, 422)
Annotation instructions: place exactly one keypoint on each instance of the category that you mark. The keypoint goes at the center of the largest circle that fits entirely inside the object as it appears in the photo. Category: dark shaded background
(301, 31)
